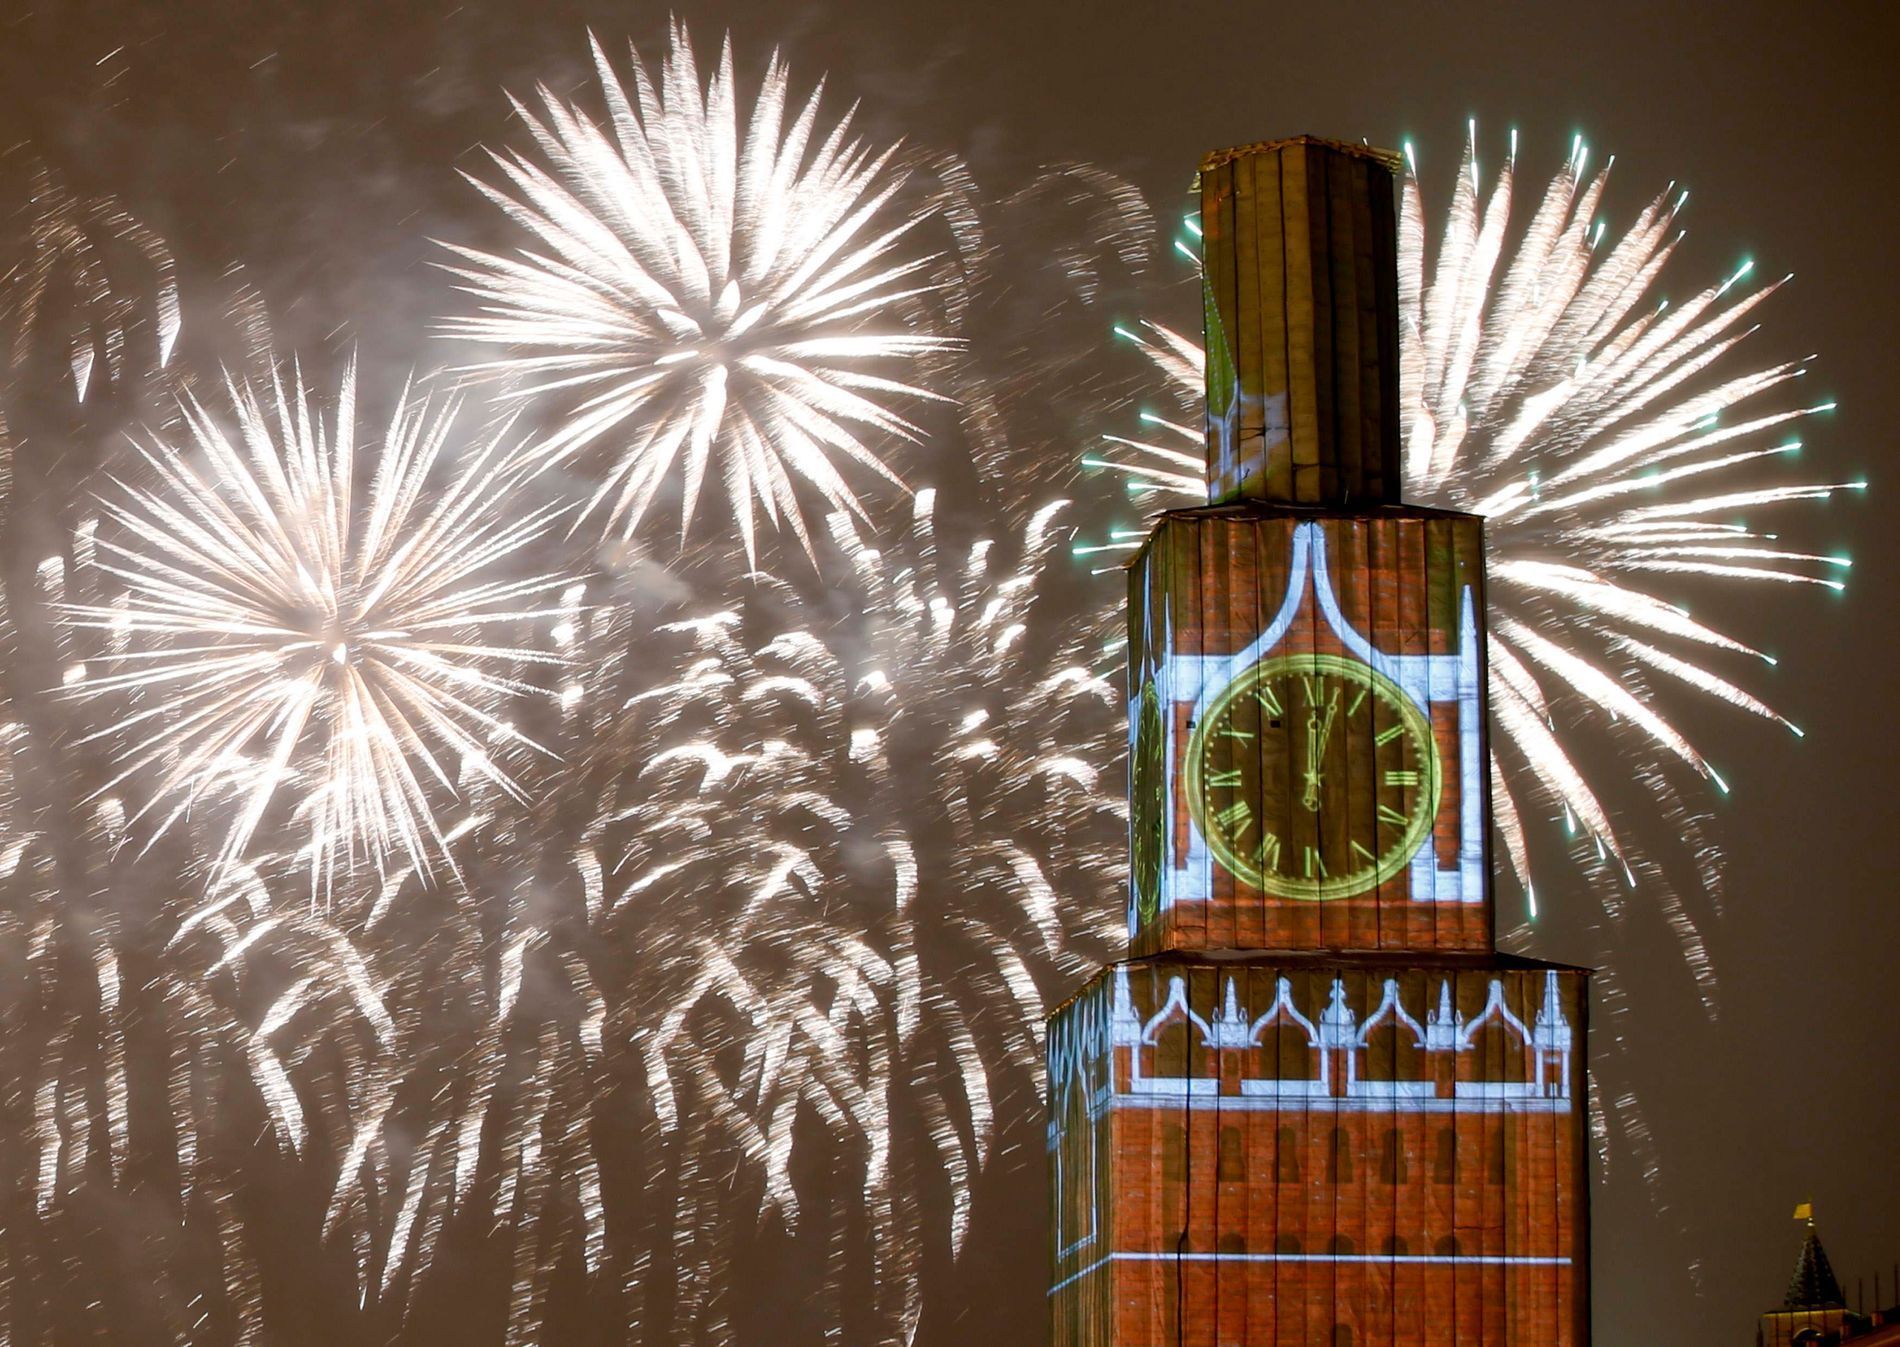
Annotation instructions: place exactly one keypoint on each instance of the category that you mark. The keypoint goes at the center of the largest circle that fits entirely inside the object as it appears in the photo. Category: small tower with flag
(1814, 1312)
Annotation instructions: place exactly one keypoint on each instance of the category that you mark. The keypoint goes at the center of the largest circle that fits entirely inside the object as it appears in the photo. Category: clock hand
(1318, 735)
(1310, 797)
(1332, 714)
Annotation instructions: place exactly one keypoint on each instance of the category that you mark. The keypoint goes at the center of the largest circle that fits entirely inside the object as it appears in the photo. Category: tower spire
(1813, 1285)
(1300, 288)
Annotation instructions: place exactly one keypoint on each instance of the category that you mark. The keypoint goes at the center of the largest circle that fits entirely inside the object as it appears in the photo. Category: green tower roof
(1813, 1286)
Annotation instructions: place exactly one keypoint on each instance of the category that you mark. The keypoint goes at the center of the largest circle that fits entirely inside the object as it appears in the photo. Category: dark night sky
(315, 143)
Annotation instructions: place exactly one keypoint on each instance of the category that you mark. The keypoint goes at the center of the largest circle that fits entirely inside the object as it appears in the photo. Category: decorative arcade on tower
(1315, 1107)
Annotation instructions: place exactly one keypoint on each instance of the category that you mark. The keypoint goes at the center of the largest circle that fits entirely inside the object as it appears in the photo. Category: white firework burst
(791, 905)
(811, 857)
(1610, 439)
(273, 632)
(708, 299)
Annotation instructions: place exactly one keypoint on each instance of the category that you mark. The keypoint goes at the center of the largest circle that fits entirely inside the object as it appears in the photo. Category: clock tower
(1314, 1107)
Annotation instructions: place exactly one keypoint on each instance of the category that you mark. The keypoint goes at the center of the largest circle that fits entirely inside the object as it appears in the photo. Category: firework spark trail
(264, 612)
(758, 917)
(69, 242)
(855, 925)
(718, 299)
(1546, 389)
(90, 305)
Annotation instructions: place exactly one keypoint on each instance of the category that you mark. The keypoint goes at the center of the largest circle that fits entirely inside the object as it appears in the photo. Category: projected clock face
(1313, 777)
(1148, 813)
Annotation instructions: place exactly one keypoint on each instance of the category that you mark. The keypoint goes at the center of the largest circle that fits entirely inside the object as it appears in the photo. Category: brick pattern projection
(1315, 1107)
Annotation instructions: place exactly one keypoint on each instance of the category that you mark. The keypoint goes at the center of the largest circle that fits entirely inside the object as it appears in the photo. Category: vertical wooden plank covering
(1346, 188)
(1322, 484)
(1368, 460)
(1574, 1214)
(1300, 248)
(1483, 932)
(1247, 457)
(1385, 299)
(1140, 674)
(1359, 799)
(1274, 479)
(1220, 281)
(1262, 1197)
(1299, 321)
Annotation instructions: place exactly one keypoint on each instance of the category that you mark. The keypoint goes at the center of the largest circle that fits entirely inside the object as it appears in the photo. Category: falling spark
(73, 242)
(271, 632)
(708, 299)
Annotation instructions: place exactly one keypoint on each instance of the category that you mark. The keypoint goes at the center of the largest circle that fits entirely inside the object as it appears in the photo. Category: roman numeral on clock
(1235, 817)
(1227, 778)
(1398, 778)
(1387, 814)
(1386, 736)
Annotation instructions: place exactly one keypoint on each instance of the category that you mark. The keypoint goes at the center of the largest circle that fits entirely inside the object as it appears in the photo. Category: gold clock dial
(1148, 811)
(1313, 777)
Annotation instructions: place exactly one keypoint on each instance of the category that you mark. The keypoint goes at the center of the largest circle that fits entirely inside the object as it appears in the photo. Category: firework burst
(790, 905)
(1609, 439)
(709, 299)
(270, 631)
(801, 864)
(915, 838)
(754, 967)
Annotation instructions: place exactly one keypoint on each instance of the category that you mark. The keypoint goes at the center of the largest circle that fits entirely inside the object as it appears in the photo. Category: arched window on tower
(1497, 1156)
(1174, 1048)
(1445, 1162)
(1341, 1246)
(1287, 1244)
(1233, 1158)
(1447, 1247)
(1339, 1158)
(1392, 1157)
(1173, 1175)
(1392, 1053)
(1395, 1247)
(1289, 1051)
(1342, 1335)
(1500, 1054)
(1075, 1148)
(1286, 1165)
